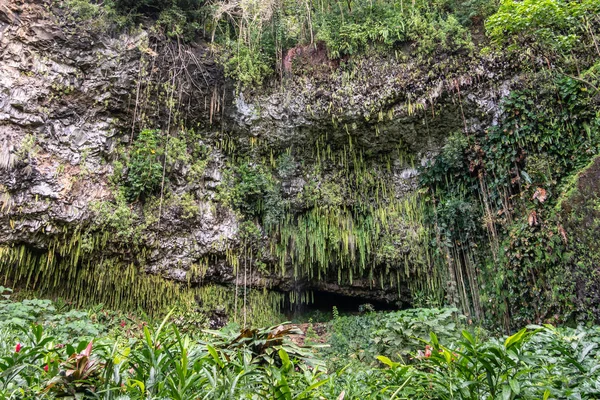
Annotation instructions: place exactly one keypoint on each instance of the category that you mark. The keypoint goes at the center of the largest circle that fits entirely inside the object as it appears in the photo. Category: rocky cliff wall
(335, 150)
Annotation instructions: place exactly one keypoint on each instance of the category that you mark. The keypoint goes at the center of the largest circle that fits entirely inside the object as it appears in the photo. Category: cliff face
(580, 226)
(64, 100)
(336, 143)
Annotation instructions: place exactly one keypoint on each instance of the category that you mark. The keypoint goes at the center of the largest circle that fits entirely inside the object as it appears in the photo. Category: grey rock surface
(67, 100)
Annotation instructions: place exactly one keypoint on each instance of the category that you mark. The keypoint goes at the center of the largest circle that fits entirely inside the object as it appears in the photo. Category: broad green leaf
(506, 392)
(467, 335)
(215, 355)
(434, 339)
(285, 359)
(514, 385)
(587, 350)
(515, 339)
(387, 361)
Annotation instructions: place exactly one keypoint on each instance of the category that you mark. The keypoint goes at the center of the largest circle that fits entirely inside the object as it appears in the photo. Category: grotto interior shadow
(325, 301)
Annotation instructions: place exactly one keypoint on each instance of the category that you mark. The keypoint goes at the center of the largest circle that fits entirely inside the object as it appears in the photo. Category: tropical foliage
(129, 359)
(495, 196)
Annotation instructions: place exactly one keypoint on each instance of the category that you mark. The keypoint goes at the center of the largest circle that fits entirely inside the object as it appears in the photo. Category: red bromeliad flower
(18, 347)
(46, 367)
(427, 351)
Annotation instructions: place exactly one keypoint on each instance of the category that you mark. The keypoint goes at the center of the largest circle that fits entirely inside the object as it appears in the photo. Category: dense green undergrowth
(49, 352)
(253, 37)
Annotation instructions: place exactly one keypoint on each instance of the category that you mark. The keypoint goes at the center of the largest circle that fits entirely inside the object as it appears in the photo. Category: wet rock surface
(68, 100)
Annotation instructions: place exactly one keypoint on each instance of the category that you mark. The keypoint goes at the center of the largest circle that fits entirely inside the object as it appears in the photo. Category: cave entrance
(325, 301)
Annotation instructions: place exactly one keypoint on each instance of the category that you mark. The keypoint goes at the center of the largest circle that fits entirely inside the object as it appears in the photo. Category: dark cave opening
(323, 302)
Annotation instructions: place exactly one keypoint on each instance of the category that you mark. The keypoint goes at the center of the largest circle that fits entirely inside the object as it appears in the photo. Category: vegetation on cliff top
(259, 39)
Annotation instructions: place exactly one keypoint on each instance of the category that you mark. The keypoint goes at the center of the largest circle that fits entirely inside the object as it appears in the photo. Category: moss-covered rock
(580, 218)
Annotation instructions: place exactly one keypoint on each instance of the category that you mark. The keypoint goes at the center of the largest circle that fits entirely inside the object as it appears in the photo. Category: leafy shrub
(405, 331)
(162, 363)
(64, 325)
(541, 362)
(118, 217)
(189, 206)
(473, 11)
(144, 169)
(387, 24)
(252, 184)
(362, 337)
(265, 343)
(252, 190)
(553, 23)
(350, 339)
(177, 151)
(249, 66)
